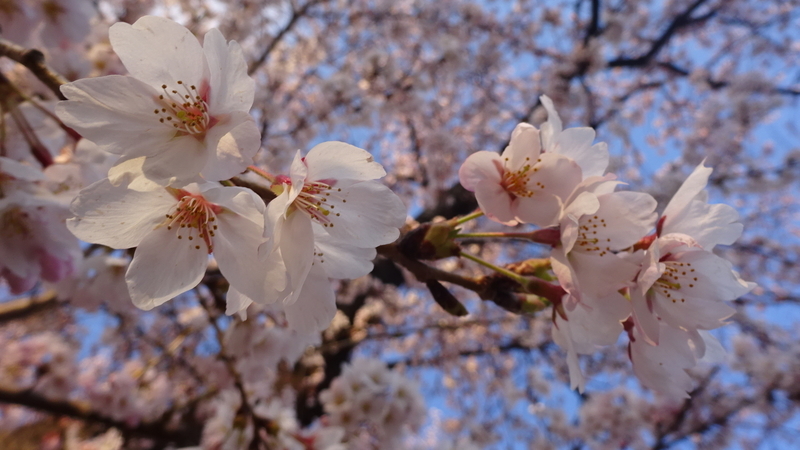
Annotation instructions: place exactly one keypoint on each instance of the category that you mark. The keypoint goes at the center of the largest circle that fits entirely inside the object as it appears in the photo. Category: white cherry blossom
(596, 224)
(332, 187)
(174, 231)
(684, 286)
(523, 184)
(182, 114)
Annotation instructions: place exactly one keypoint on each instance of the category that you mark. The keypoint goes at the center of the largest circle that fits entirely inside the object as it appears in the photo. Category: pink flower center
(515, 182)
(317, 199)
(676, 279)
(186, 110)
(194, 219)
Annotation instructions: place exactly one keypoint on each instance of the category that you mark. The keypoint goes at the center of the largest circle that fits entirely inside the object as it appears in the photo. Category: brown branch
(424, 272)
(157, 430)
(34, 60)
(296, 15)
(24, 307)
(682, 20)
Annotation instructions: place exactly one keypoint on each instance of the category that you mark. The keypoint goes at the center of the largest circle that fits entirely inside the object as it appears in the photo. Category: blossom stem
(469, 217)
(227, 183)
(548, 236)
(514, 276)
(262, 173)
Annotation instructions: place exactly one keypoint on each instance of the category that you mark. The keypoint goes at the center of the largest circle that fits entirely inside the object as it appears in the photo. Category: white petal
(231, 147)
(623, 218)
(365, 214)
(164, 267)
(663, 367)
(478, 167)
(297, 248)
(542, 209)
(523, 148)
(231, 88)
(158, 51)
(553, 126)
(340, 161)
(495, 202)
(644, 318)
(339, 260)
(117, 216)
(690, 188)
(116, 113)
(315, 306)
(236, 303)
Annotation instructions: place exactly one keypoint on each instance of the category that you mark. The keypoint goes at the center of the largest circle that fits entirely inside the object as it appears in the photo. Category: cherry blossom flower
(684, 286)
(182, 114)
(33, 239)
(174, 231)
(596, 225)
(523, 184)
(663, 367)
(332, 187)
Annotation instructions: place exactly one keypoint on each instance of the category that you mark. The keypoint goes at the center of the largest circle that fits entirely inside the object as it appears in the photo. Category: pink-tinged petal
(20, 171)
(298, 173)
(315, 306)
(709, 225)
(523, 148)
(691, 187)
(232, 144)
(623, 218)
(117, 216)
(583, 204)
(236, 303)
(116, 113)
(553, 126)
(178, 165)
(713, 352)
(715, 277)
(365, 214)
(158, 51)
(563, 337)
(297, 248)
(241, 201)
(274, 218)
(231, 88)
(644, 317)
(236, 242)
(495, 202)
(164, 267)
(555, 174)
(663, 367)
(566, 276)
(339, 260)
(340, 161)
(542, 209)
(576, 143)
(691, 312)
(17, 284)
(478, 167)
(602, 275)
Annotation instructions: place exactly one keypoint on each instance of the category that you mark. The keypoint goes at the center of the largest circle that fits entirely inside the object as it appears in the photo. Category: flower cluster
(369, 394)
(665, 289)
(181, 128)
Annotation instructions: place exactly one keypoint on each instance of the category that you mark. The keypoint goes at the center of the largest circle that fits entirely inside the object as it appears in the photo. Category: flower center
(185, 110)
(14, 222)
(318, 199)
(676, 279)
(194, 218)
(516, 182)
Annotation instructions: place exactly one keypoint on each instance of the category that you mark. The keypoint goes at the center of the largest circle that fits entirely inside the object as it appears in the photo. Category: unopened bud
(431, 241)
(446, 299)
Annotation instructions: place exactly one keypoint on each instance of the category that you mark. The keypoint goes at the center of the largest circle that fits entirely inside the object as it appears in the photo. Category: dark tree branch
(24, 307)
(682, 20)
(158, 430)
(34, 60)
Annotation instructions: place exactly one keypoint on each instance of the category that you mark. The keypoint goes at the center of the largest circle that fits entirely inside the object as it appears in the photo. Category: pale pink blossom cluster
(57, 23)
(620, 265)
(370, 396)
(181, 127)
